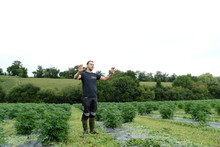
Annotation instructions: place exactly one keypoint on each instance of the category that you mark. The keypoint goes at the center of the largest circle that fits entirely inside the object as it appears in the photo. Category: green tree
(51, 72)
(1, 71)
(213, 84)
(149, 77)
(39, 73)
(163, 77)
(200, 91)
(69, 74)
(100, 73)
(105, 91)
(141, 76)
(172, 77)
(126, 89)
(183, 81)
(131, 74)
(17, 69)
(23, 72)
(147, 94)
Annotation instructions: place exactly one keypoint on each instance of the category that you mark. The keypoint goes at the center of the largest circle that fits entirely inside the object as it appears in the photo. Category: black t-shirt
(89, 84)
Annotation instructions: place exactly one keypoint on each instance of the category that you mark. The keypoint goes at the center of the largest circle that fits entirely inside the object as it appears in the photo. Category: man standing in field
(89, 101)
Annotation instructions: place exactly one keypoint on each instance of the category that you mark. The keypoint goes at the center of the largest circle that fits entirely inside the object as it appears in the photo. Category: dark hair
(88, 62)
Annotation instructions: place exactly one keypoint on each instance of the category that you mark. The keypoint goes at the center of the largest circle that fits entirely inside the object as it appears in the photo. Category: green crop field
(141, 130)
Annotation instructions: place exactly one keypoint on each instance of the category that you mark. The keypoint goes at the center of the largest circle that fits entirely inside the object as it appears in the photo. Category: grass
(76, 138)
(9, 82)
(206, 137)
(152, 84)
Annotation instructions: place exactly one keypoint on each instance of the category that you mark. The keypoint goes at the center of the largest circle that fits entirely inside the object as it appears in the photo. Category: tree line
(122, 87)
(17, 69)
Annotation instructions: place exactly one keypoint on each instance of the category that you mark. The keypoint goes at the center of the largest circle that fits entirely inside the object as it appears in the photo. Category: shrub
(187, 107)
(146, 93)
(149, 107)
(217, 108)
(200, 111)
(167, 110)
(113, 117)
(141, 108)
(47, 96)
(2, 140)
(180, 105)
(26, 121)
(128, 112)
(100, 114)
(48, 120)
(24, 93)
(71, 95)
(54, 126)
(2, 94)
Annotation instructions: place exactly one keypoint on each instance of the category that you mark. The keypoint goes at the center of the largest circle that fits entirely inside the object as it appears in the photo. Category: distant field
(9, 82)
(166, 84)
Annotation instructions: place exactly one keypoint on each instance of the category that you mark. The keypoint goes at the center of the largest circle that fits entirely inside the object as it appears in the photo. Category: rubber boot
(85, 127)
(92, 126)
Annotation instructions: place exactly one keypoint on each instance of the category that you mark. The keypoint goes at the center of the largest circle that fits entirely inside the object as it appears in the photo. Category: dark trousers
(89, 107)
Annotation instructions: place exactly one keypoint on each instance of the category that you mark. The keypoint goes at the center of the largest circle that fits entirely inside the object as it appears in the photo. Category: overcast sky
(175, 36)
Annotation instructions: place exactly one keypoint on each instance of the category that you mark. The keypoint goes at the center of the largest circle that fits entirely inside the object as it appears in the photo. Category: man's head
(90, 65)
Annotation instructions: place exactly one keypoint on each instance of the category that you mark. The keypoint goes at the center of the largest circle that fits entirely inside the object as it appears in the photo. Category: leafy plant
(217, 108)
(141, 108)
(2, 140)
(167, 110)
(2, 94)
(128, 112)
(200, 111)
(113, 117)
(26, 121)
(54, 126)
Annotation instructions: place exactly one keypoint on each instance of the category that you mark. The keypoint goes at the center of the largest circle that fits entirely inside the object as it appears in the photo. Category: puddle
(210, 124)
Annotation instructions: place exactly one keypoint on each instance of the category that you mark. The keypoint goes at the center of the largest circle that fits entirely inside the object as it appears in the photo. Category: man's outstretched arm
(77, 75)
(108, 76)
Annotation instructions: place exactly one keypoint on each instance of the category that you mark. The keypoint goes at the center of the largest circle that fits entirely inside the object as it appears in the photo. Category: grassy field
(9, 82)
(151, 84)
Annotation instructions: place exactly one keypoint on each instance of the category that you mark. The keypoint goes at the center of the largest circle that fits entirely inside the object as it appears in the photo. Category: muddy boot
(92, 126)
(85, 127)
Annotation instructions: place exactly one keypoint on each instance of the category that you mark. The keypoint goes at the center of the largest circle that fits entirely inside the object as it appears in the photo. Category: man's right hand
(80, 68)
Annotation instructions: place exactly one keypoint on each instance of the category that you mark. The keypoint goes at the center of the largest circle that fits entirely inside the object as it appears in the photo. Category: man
(89, 102)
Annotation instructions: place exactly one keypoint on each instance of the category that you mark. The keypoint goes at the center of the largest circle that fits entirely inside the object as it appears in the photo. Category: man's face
(90, 66)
